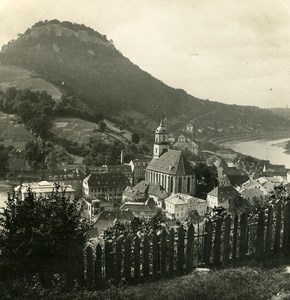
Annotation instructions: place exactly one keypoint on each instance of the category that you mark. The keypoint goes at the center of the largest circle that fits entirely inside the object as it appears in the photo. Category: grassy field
(268, 280)
(21, 78)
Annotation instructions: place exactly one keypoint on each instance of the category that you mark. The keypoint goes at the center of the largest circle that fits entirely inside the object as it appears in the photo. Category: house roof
(223, 192)
(119, 169)
(108, 180)
(141, 163)
(171, 162)
(237, 179)
(150, 188)
(147, 206)
(176, 200)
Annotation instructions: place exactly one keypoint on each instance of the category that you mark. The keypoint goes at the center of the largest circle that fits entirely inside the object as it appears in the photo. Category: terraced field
(76, 129)
(12, 133)
(20, 78)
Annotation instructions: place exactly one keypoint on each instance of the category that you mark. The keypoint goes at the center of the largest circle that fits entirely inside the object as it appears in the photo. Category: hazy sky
(230, 51)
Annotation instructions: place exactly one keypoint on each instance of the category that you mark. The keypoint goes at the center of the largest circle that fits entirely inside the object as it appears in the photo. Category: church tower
(161, 143)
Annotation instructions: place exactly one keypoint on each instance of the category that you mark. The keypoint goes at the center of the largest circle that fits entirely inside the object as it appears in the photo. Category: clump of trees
(41, 236)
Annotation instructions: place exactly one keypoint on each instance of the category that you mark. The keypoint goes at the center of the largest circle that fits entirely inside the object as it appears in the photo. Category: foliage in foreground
(40, 235)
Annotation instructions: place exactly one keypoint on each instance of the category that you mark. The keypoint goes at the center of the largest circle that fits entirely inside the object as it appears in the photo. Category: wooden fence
(178, 252)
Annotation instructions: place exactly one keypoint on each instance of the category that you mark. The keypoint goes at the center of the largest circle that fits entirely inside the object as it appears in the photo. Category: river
(271, 150)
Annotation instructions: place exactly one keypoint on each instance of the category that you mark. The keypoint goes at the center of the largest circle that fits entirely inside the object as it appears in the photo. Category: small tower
(161, 143)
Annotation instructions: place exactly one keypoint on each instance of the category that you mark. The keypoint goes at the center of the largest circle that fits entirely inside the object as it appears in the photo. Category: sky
(229, 51)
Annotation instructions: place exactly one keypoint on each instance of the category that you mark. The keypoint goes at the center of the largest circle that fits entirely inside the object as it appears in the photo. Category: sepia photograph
(144, 150)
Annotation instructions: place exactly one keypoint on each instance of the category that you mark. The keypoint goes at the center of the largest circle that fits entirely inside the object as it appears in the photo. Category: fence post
(208, 241)
(269, 230)
(189, 248)
(136, 259)
(286, 230)
(260, 235)
(278, 225)
(90, 266)
(180, 251)
(127, 259)
(98, 267)
(163, 254)
(118, 266)
(109, 260)
(171, 253)
(155, 255)
(146, 262)
(227, 244)
(80, 268)
(235, 237)
(243, 235)
(217, 243)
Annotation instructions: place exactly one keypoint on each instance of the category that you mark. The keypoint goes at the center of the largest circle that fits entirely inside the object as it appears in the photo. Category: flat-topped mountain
(85, 64)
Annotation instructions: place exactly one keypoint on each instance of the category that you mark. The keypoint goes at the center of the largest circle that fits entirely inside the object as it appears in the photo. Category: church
(169, 167)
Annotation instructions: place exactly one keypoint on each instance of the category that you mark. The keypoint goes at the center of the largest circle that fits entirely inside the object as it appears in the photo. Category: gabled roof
(237, 180)
(147, 206)
(223, 192)
(171, 162)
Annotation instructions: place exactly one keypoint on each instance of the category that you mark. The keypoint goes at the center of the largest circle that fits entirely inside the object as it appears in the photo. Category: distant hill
(85, 64)
(281, 112)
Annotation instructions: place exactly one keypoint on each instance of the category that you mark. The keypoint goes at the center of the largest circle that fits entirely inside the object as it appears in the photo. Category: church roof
(171, 162)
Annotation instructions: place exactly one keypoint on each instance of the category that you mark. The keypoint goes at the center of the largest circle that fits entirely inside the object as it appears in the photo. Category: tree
(135, 138)
(42, 235)
(102, 126)
(4, 167)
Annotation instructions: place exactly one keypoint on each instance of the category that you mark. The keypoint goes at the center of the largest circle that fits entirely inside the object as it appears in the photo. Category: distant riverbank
(249, 137)
(272, 149)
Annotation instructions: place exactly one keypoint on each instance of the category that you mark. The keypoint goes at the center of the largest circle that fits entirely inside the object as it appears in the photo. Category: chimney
(122, 157)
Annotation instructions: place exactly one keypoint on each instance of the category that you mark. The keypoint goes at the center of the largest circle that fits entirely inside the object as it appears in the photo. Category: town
(167, 184)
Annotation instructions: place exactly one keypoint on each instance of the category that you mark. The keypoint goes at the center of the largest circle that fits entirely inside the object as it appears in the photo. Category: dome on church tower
(161, 128)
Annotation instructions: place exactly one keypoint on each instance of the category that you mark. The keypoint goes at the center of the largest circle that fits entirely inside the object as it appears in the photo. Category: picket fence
(178, 252)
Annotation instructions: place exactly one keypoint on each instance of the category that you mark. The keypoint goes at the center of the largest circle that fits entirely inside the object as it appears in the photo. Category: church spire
(161, 139)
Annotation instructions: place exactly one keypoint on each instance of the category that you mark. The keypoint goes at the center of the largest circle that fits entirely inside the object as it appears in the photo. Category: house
(176, 207)
(105, 185)
(94, 206)
(252, 193)
(133, 194)
(253, 184)
(184, 143)
(198, 204)
(145, 209)
(138, 168)
(43, 189)
(108, 219)
(189, 128)
(221, 196)
(124, 169)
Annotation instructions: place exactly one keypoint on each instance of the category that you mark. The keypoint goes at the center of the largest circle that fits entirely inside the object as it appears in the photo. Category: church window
(179, 184)
(171, 184)
(188, 184)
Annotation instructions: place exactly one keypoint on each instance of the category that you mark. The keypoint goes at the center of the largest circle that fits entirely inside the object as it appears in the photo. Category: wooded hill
(86, 65)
